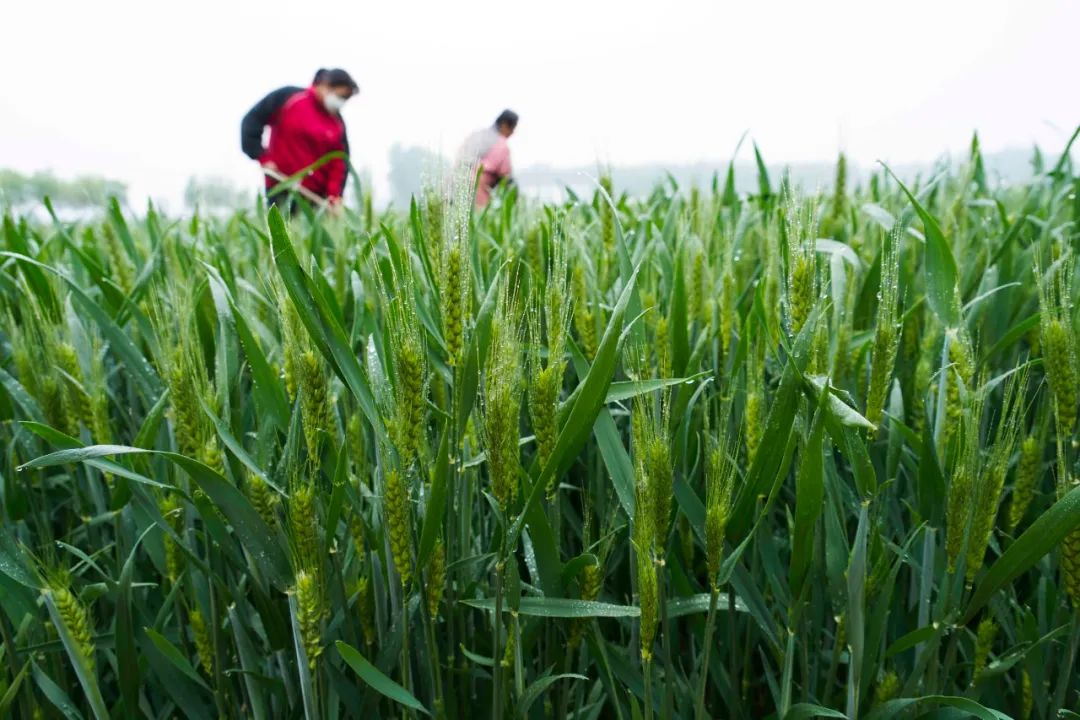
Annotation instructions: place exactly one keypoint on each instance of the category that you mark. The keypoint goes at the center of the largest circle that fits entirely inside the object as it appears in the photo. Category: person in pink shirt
(487, 152)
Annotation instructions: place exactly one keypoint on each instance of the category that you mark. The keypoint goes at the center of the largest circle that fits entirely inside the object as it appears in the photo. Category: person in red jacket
(305, 125)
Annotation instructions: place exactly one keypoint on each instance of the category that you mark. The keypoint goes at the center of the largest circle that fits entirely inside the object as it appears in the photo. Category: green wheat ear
(357, 532)
(304, 524)
(958, 377)
(966, 478)
(648, 508)
(77, 621)
(754, 411)
(453, 296)
(354, 432)
(293, 336)
(434, 223)
(316, 407)
(1027, 696)
(119, 263)
(436, 578)
(699, 288)
(802, 282)
(607, 215)
(1057, 340)
(100, 422)
(1028, 467)
(591, 581)
(509, 650)
(1060, 361)
(839, 200)
(1070, 564)
(501, 411)
(398, 523)
(720, 474)
(365, 607)
(728, 309)
(984, 642)
(662, 342)
(203, 646)
(887, 688)
(651, 451)
(584, 319)
(171, 508)
(309, 616)
(263, 498)
(648, 601)
(886, 332)
(543, 404)
(404, 404)
(548, 327)
(183, 367)
(76, 400)
(991, 480)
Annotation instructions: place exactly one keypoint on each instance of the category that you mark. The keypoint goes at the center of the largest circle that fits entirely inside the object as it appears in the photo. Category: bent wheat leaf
(324, 329)
(561, 607)
(939, 264)
(376, 680)
(1046, 533)
(261, 542)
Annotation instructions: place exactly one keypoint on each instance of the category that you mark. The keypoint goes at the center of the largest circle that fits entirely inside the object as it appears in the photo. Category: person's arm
(336, 172)
(345, 147)
(258, 117)
(502, 169)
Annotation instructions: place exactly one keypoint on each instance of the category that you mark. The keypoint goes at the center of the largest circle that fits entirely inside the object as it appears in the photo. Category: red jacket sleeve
(335, 177)
(338, 168)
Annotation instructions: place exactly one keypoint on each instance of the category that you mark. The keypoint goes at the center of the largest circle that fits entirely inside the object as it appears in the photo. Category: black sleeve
(258, 117)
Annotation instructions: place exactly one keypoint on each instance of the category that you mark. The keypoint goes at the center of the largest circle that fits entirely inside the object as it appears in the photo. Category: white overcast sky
(153, 92)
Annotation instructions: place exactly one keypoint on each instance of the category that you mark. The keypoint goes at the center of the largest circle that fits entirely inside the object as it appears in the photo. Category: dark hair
(335, 78)
(507, 117)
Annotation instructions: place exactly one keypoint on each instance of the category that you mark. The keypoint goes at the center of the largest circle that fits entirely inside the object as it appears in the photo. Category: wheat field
(781, 454)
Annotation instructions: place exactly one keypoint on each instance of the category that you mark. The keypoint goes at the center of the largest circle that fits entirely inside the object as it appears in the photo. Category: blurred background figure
(305, 124)
(486, 150)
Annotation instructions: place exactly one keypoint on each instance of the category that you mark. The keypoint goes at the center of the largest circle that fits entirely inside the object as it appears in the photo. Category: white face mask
(333, 102)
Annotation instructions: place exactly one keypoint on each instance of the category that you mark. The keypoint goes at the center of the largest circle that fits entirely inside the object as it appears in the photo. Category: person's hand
(270, 165)
(334, 206)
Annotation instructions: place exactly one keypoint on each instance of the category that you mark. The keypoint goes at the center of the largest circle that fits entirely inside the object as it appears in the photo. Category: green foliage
(678, 455)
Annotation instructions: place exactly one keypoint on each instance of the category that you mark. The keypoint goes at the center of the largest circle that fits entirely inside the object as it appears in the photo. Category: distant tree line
(216, 193)
(19, 190)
